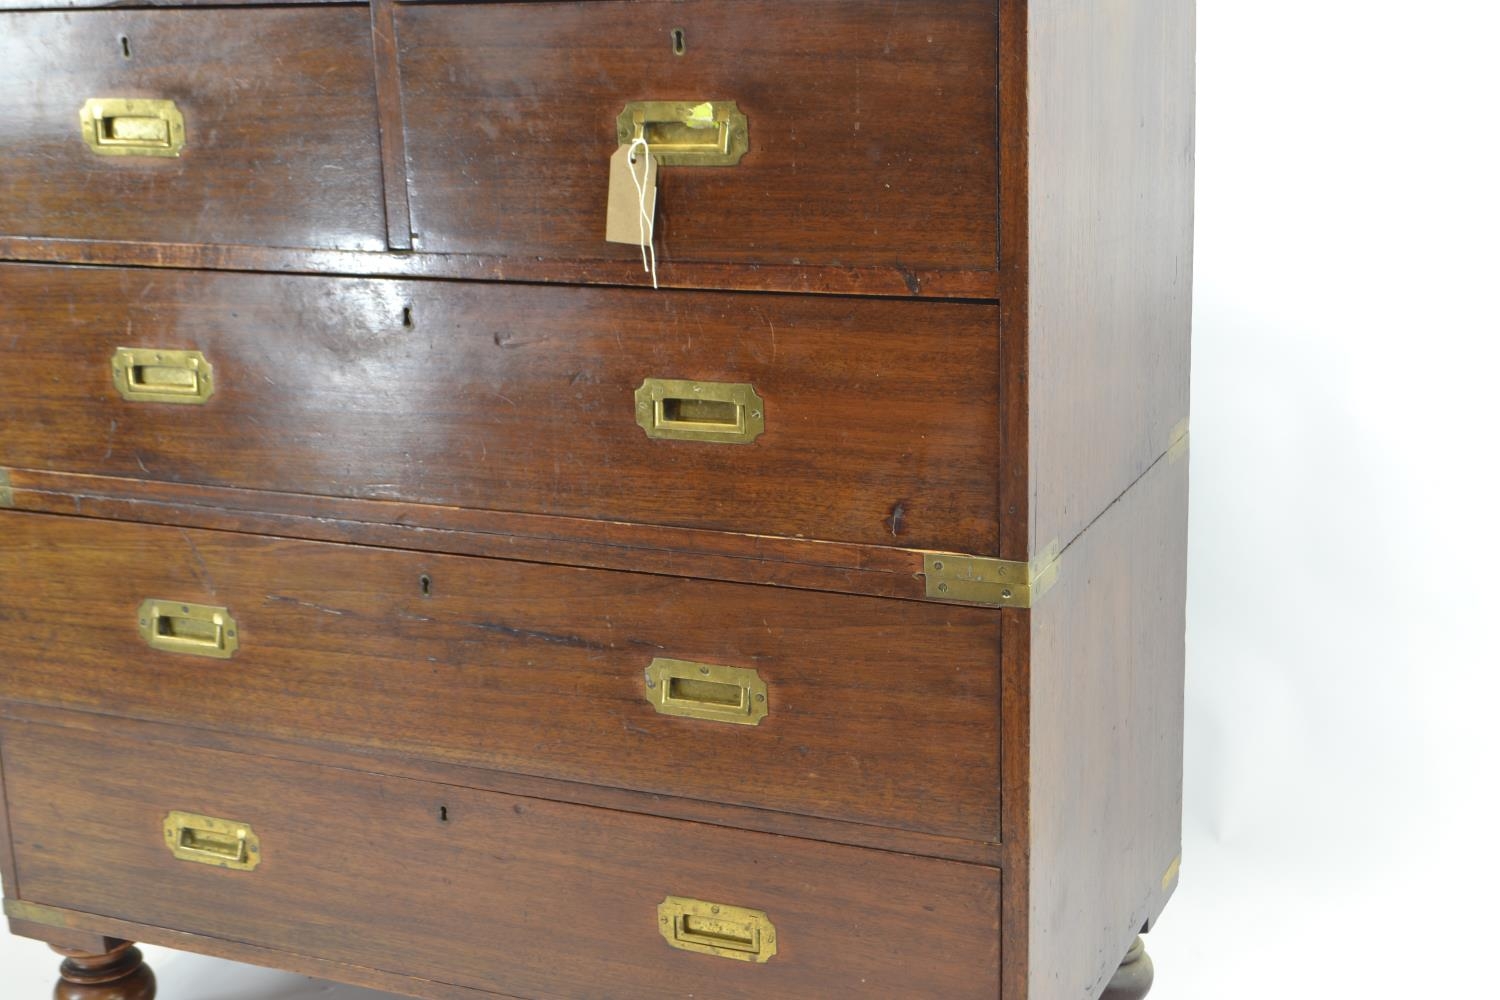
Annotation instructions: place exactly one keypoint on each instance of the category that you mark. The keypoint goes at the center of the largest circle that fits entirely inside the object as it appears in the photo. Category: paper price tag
(625, 222)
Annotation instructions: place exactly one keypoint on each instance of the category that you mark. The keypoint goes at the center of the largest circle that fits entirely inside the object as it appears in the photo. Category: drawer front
(871, 128)
(878, 420)
(519, 896)
(274, 110)
(854, 708)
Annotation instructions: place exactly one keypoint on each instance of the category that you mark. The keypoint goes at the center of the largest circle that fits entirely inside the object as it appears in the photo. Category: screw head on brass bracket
(996, 583)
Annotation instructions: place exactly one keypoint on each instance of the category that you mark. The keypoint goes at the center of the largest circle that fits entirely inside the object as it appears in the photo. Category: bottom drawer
(519, 896)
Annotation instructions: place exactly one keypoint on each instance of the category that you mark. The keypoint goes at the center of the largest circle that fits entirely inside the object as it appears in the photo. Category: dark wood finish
(1096, 157)
(1014, 484)
(290, 961)
(878, 713)
(872, 132)
(570, 891)
(65, 938)
(882, 281)
(7, 843)
(279, 105)
(392, 127)
(875, 571)
(1027, 273)
(1013, 498)
(488, 779)
(1135, 976)
(117, 974)
(879, 415)
(1110, 249)
(1015, 794)
(1107, 653)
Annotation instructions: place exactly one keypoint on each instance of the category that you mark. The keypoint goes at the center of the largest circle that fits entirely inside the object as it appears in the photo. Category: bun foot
(119, 974)
(1134, 979)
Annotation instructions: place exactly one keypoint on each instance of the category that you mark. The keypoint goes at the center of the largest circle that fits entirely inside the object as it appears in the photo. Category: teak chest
(400, 589)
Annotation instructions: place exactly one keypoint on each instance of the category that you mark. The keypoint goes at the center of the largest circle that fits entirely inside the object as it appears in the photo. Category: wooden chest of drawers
(400, 589)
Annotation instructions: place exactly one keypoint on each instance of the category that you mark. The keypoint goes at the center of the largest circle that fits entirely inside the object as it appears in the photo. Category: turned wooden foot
(1133, 981)
(119, 974)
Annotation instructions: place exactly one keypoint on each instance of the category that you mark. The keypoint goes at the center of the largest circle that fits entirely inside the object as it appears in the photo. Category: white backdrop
(1342, 747)
(1343, 683)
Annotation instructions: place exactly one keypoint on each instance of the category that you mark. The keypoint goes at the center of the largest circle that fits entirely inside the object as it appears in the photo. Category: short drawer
(852, 708)
(869, 128)
(518, 896)
(223, 126)
(854, 420)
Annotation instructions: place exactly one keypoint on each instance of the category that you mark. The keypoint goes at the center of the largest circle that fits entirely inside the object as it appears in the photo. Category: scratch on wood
(574, 641)
(200, 567)
(323, 608)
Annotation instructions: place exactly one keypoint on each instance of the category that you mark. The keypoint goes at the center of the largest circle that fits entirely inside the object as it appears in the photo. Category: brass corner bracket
(996, 583)
(7, 494)
(1180, 440)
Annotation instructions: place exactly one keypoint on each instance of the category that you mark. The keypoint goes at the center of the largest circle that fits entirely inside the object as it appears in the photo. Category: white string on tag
(648, 242)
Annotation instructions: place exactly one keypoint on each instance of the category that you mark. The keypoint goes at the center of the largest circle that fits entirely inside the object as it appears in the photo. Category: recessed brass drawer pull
(706, 691)
(718, 412)
(147, 375)
(717, 929)
(682, 134)
(194, 629)
(223, 843)
(132, 127)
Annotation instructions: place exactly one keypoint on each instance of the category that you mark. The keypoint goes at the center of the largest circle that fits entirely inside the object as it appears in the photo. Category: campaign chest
(404, 586)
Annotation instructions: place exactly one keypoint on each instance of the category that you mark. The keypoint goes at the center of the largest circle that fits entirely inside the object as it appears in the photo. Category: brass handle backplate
(193, 629)
(683, 134)
(223, 843)
(707, 691)
(115, 126)
(151, 375)
(716, 412)
(716, 929)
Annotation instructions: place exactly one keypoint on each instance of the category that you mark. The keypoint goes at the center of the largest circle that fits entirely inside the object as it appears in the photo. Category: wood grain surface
(1107, 650)
(872, 132)
(888, 281)
(442, 391)
(879, 415)
(879, 712)
(875, 571)
(1111, 249)
(280, 123)
(517, 896)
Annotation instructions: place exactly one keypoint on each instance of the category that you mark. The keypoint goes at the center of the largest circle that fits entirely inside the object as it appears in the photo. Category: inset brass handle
(706, 691)
(683, 134)
(718, 412)
(716, 929)
(193, 629)
(150, 375)
(114, 126)
(223, 843)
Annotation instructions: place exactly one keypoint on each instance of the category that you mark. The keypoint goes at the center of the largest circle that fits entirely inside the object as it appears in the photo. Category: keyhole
(406, 317)
(125, 46)
(679, 41)
(426, 584)
(442, 814)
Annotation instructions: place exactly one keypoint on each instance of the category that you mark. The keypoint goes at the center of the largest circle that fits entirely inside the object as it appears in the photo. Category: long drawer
(248, 126)
(855, 420)
(791, 132)
(853, 708)
(518, 896)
